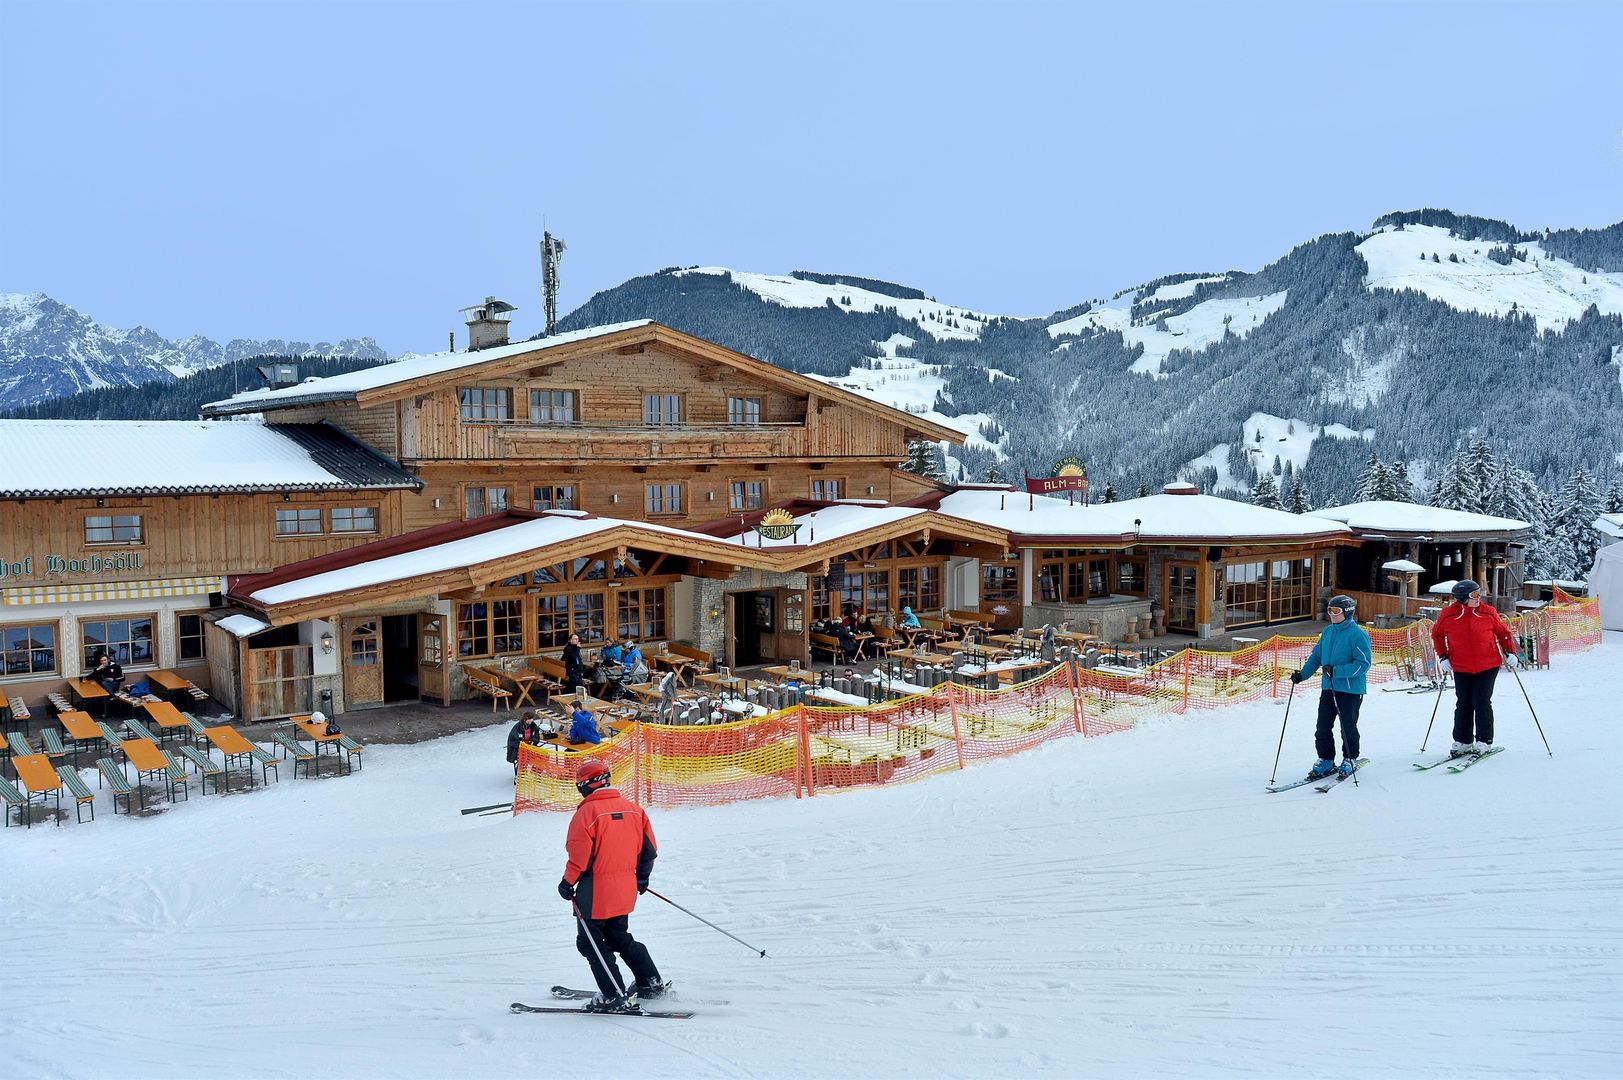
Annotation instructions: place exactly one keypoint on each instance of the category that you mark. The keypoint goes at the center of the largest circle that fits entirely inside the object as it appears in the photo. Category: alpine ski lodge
(365, 538)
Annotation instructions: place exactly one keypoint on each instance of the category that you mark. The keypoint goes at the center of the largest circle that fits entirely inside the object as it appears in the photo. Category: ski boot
(650, 990)
(1347, 766)
(1462, 748)
(1321, 768)
(612, 1003)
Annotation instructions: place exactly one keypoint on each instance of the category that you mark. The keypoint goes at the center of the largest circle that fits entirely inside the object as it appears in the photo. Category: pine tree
(1402, 488)
(1266, 493)
(1614, 497)
(994, 475)
(1297, 502)
(1372, 481)
(923, 459)
(1110, 492)
(1456, 485)
(1143, 490)
(1573, 540)
(1514, 494)
(1484, 469)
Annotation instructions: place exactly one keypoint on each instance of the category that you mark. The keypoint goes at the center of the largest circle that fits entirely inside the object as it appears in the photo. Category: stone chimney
(487, 323)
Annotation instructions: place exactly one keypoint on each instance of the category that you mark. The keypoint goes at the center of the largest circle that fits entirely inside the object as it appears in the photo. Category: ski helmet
(1463, 589)
(591, 775)
(1342, 603)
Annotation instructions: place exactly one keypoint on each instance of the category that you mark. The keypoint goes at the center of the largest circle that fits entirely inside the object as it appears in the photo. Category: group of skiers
(1471, 640)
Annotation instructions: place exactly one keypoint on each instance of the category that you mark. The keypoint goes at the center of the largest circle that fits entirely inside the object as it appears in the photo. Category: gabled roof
(61, 458)
(406, 378)
(1381, 517)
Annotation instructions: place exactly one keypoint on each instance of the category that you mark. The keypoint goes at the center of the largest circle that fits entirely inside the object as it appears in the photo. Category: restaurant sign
(57, 565)
(777, 525)
(1069, 474)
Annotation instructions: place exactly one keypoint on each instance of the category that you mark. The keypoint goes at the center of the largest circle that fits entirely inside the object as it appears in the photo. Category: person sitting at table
(525, 731)
(849, 646)
(574, 666)
(606, 675)
(108, 673)
(583, 726)
(636, 668)
(910, 621)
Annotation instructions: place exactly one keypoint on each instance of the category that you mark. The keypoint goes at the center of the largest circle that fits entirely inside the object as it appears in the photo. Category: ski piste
(1338, 777)
(652, 1014)
(1424, 765)
(569, 993)
(1295, 783)
(1465, 762)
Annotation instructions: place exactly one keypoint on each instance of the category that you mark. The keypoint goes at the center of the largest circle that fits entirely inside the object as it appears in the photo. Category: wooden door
(431, 680)
(363, 663)
(1182, 582)
(278, 682)
(792, 625)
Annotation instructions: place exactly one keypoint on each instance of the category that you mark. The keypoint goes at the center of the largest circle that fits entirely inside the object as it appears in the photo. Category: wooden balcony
(638, 444)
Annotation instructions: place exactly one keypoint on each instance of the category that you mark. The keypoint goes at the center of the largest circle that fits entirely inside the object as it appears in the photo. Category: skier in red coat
(1472, 640)
(611, 853)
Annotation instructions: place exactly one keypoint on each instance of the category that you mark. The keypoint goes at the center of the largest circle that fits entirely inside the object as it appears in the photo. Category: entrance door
(400, 658)
(431, 681)
(363, 663)
(755, 627)
(1182, 585)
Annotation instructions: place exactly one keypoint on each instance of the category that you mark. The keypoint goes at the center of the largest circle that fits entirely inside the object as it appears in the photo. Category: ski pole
(1440, 684)
(614, 972)
(707, 922)
(1523, 687)
(1281, 749)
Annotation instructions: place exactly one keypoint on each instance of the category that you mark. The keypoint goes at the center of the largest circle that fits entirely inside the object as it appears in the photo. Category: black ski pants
(614, 936)
(1473, 705)
(1334, 703)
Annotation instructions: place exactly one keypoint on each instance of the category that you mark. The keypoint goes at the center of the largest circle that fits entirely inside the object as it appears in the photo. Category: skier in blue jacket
(1343, 651)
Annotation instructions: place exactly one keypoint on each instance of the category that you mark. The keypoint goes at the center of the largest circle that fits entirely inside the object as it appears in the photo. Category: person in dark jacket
(1472, 640)
(108, 673)
(525, 731)
(1344, 652)
(611, 855)
(574, 666)
(583, 726)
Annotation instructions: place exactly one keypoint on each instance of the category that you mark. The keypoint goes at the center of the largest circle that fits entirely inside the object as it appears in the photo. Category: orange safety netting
(808, 749)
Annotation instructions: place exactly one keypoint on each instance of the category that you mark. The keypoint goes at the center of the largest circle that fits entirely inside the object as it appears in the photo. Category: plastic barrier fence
(808, 749)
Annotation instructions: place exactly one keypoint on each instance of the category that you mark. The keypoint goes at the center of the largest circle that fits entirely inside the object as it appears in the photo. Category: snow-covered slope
(1192, 331)
(940, 321)
(1267, 437)
(48, 349)
(1118, 907)
(1553, 291)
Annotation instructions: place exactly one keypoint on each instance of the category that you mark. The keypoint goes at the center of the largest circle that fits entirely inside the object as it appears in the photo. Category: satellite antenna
(552, 249)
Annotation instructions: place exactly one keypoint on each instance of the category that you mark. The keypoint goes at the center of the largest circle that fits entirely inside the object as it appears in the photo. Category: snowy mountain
(1430, 328)
(48, 349)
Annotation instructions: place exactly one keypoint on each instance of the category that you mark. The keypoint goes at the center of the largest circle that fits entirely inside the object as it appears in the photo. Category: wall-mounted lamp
(713, 614)
(870, 489)
(436, 504)
(710, 496)
(326, 642)
(286, 497)
(101, 502)
(614, 497)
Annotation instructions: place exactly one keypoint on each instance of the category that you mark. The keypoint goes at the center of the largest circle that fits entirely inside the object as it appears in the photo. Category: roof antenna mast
(552, 249)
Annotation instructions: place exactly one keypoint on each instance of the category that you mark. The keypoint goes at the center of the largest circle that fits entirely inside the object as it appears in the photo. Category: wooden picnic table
(88, 690)
(318, 732)
(39, 778)
(166, 716)
(783, 672)
(169, 680)
(232, 745)
(684, 666)
(81, 728)
(145, 756)
(524, 681)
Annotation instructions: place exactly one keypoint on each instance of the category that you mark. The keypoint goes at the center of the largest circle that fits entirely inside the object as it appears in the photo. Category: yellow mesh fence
(805, 750)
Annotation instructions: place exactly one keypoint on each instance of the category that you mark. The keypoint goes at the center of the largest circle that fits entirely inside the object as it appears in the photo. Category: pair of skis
(1459, 763)
(1326, 782)
(569, 994)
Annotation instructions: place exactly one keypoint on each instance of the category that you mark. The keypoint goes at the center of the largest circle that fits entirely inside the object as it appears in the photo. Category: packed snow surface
(1553, 291)
(1126, 906)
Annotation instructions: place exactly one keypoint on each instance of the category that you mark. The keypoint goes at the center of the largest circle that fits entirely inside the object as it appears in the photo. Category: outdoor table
(318, 732)
(81, 729)
(38, 778)
(88, 690)
(232, 746)
(862, 644)
(146, 757)
(166, 716)
(682, 665)
(783, 672)
(524, 682)
(170, 682)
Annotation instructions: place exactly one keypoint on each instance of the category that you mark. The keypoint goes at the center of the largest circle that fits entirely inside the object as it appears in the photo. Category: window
(587, 616)
(354, 519)
(554, 497)
(1291, 595)
(1245, 594)
(919, 587)
(827, 489)
(661, 409)
(363, 645)
(189, 639)
(490, 629)
(820, 609)
(486, 405)
(552, 407)
(744, 411)
(1099, 578)
(746, 494)
(640, 613)
(1000, 582)
(295, 521)
(1132, 576)
(479, 501)
(552, 621)
(113, 529)
(127, 639)
(664, 499)
(28, 649)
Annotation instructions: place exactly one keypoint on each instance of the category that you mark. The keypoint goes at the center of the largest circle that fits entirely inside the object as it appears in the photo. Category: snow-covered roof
(1609, 524)
(1162, 518)
(1403, 566)
(54, 458)
(1403, 518)
(346, 386)
(830, 523)
(241, 625)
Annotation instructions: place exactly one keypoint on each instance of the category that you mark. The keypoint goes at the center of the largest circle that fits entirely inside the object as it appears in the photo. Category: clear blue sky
(336, 169)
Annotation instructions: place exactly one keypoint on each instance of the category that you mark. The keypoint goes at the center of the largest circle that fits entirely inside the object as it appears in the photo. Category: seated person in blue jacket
(1343, 651)
(583, 726)
(607, 669)
(910, 621)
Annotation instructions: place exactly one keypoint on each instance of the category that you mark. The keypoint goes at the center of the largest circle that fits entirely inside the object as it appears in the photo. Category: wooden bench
(351, 749)
(140, 729)
(19, 711)
(11, 797)
(175, 776)
(51, 739)
(267, 763)
(198, 694)
(82, 795)
(58, 703)
(481, 681)
(826, 643)
(302, 755)
(206, 767)
(122, 788)
(195, 726)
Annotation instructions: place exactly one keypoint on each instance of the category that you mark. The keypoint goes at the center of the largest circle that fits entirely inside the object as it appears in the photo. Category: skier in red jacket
(1472, 640)
(611, 853)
